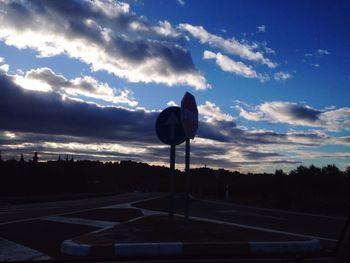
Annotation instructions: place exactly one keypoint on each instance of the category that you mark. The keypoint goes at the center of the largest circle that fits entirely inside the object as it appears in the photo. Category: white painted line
(285, 246)
(127, 205)
(80, 221)
(147, 199)
(148, 249)
(261, 228)
(250, 214)
(342, 218)
(11, 251)
(150, 212)
(41, 217)
(71, 248)
(65, 213)
(147, 212)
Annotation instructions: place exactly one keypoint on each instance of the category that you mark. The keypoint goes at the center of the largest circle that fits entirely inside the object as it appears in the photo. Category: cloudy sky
(89, 78)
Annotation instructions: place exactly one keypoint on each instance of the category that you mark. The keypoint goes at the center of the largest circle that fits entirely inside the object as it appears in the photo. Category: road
(326, 228)
(36, 231)
(17, 213)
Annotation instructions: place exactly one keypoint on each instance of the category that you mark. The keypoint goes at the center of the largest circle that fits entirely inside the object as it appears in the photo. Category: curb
(189, 249)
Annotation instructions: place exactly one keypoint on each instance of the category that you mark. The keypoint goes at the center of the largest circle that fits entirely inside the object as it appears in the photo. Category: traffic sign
(169, 128)
(189, 115)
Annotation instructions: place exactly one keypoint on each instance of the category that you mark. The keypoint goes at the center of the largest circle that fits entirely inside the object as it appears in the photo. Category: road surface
(323, 227)
(36, 231)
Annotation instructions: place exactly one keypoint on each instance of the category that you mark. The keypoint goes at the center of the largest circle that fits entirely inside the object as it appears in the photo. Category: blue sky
(271, 79)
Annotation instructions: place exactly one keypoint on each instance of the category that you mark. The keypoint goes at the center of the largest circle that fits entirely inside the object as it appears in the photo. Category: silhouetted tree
(279, 173)
(347, 172)
(35, 157)
(22, 158)
(330, 170)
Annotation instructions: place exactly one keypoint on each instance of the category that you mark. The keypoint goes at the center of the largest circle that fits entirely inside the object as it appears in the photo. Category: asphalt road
(326, 228)
(17, 213)
(37, 230)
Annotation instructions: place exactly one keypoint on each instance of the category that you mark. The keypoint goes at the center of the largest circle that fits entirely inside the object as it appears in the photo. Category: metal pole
(188, 182)
(172, 181)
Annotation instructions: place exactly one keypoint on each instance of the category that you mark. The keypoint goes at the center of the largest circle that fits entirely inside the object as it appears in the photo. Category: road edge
(185, 249)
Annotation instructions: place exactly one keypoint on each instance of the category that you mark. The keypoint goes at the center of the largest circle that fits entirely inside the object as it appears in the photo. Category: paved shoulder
(12, 251)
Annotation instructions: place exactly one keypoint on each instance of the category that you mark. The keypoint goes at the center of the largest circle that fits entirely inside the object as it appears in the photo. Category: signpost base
(187, 179)
(172, 182)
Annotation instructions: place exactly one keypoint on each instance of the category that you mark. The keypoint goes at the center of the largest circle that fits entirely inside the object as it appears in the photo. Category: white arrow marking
(172, 122)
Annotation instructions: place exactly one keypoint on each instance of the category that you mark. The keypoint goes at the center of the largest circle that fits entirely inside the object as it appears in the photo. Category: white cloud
(4, 67)
(212, 113)
(323, 52)
(231, 46)
(165, 28)
(44, 79)
(93, 148)
(235, 67)
(107, 36)
(282, 76)
(296, 114)
(110, 8)
(172, 103)
(320, 52)
(181, 2)
(261, 28)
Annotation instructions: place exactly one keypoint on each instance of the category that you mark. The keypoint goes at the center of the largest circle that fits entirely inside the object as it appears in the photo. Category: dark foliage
(311, 188)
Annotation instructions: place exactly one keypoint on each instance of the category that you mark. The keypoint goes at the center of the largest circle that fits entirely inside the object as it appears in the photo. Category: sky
(89, 78)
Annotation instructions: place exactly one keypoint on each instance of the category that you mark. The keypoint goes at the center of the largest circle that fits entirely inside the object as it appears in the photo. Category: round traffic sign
(169, 128)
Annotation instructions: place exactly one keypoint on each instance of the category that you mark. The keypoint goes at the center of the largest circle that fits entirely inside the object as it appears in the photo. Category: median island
(159, 235)
(159, 228)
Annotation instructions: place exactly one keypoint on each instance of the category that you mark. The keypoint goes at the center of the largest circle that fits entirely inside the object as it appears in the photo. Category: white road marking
(11, 251)
(58, 204)
(70, 212)
(250, 214)
(148, 211)
(40, 217)
(262, 229)
(80, 221)
(342, 218)
(128, 205)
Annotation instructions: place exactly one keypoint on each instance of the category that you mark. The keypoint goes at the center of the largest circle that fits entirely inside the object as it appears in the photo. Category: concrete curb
(70, 247)
(189, 249)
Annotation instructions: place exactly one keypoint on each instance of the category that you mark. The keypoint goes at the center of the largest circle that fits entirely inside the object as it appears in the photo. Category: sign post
(170, 131)
(172, 182)
(189, 119)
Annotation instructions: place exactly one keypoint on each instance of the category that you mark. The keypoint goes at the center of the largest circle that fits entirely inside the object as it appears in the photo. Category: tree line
(325, 189)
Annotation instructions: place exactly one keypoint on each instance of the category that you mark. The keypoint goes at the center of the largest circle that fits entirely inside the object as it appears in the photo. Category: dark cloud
(298, 114)
(255, 155)
(302, 112)
(45, 122)
(41, 112)
(48, 76)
